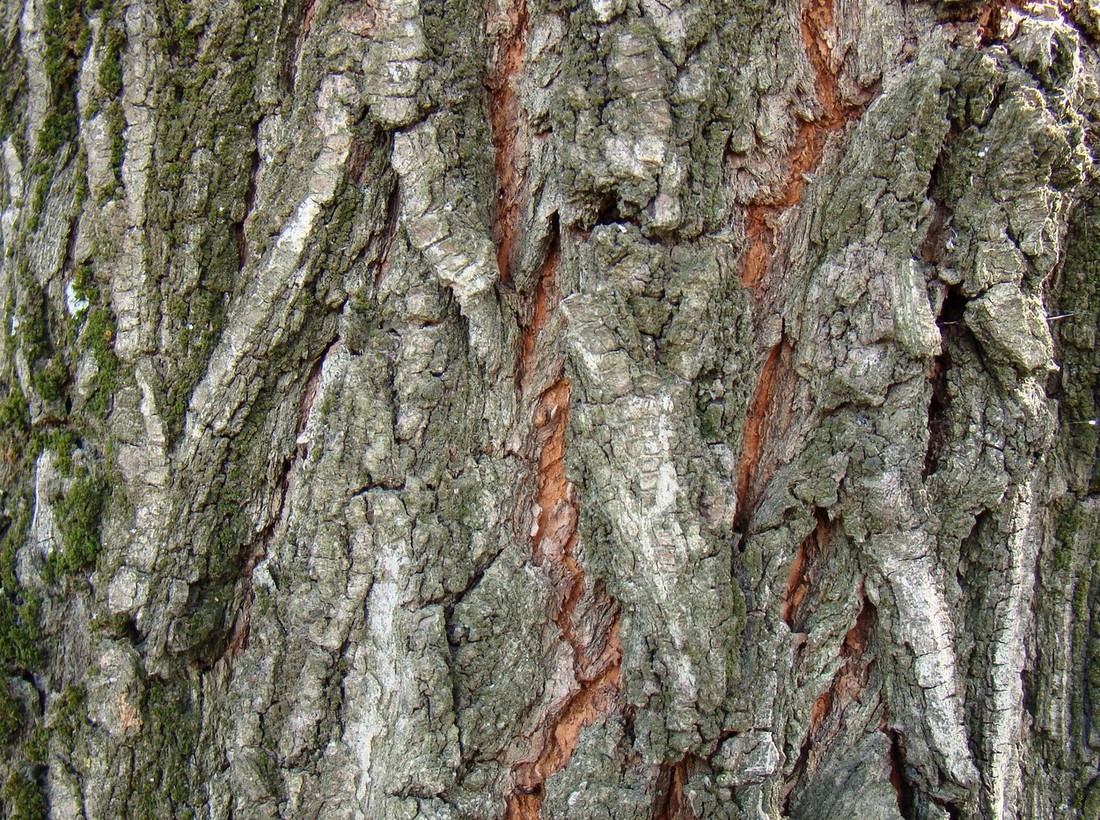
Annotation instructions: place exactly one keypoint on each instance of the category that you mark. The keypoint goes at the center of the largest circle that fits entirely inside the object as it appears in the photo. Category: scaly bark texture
(546, 408)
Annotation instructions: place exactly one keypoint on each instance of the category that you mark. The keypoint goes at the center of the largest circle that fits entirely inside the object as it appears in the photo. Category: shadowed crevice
(895, 756)
(506, 121)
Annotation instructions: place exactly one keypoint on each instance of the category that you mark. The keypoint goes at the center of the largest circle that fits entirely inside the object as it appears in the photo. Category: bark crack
(757, 420)
(895, 757)
(672, 801)
(586, 615)
(762, 227)
(239, 632)
(990, 18)
(506, 122)
(761, 218)
(544, 301)
(309, 12)
(802, 576)
(827, 713)
(241, 228)
(597, 657)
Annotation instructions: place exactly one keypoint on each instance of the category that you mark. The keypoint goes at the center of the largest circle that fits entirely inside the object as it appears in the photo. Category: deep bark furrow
(673, 804)
(506, 120)
(807, 566)
(833, 114)
(761, 417)
(556, 509)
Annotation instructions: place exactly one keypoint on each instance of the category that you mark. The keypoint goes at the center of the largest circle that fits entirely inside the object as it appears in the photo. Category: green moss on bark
(23, 798)
(80, 514)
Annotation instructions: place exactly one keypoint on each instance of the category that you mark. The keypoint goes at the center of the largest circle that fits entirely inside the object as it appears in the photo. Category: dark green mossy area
(199, 207)
(165, 758)
(42, 332)
(14, 415)
(23, 798)
(11, 715)
(12, 85)
(20, 612)
(19, 608)
(80, 514)
(98, 337)
(112, 42)
(67, 36)
(24, 794)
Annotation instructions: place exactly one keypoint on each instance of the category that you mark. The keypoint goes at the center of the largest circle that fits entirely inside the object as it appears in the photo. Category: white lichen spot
(74, 302)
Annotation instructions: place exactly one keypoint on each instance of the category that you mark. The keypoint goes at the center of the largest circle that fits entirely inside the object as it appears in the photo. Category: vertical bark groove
(832, 116)
(506, 120)
(556, 509)
(760, 420)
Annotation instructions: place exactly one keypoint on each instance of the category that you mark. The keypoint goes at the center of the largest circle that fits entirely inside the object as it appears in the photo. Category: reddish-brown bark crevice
(828, 710)
(596, 657)
(309, 12)
(356, 164)
(506, 122)
(989, 19)
(555, 497)
(849, 680)
(594, 699)
(672, 802)
(802, 577)
(544, 301)
(762, 227)
(761, 218)
(758, 420)
(586, 615)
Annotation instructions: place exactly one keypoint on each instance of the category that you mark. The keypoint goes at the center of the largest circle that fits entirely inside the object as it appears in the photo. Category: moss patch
(23, 798)
(80, 515)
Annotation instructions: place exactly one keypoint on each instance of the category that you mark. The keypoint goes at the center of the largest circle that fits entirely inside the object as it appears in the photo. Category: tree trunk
(539, 408)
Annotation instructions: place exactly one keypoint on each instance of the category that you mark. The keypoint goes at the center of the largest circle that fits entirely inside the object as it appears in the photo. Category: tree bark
(541, 408)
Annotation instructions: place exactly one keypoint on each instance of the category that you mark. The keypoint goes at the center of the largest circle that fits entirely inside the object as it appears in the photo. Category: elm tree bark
(546, 408)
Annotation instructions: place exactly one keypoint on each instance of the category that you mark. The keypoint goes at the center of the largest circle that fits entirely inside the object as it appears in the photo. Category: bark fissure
(554, 539)
(506, 120)
(762, 218)
(896, 761)
(553, 542)
(542, 303)
(393, 211)
(249, 203)
(239, 631)
(846, 688)
(804, 571)
(762, 227)
(952, 327)
(309, 12)
(938, 408)
(990, 17)
(758, 420)
(672, 801)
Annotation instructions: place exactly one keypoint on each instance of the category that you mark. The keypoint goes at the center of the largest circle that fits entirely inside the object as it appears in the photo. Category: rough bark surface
(543, 408)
